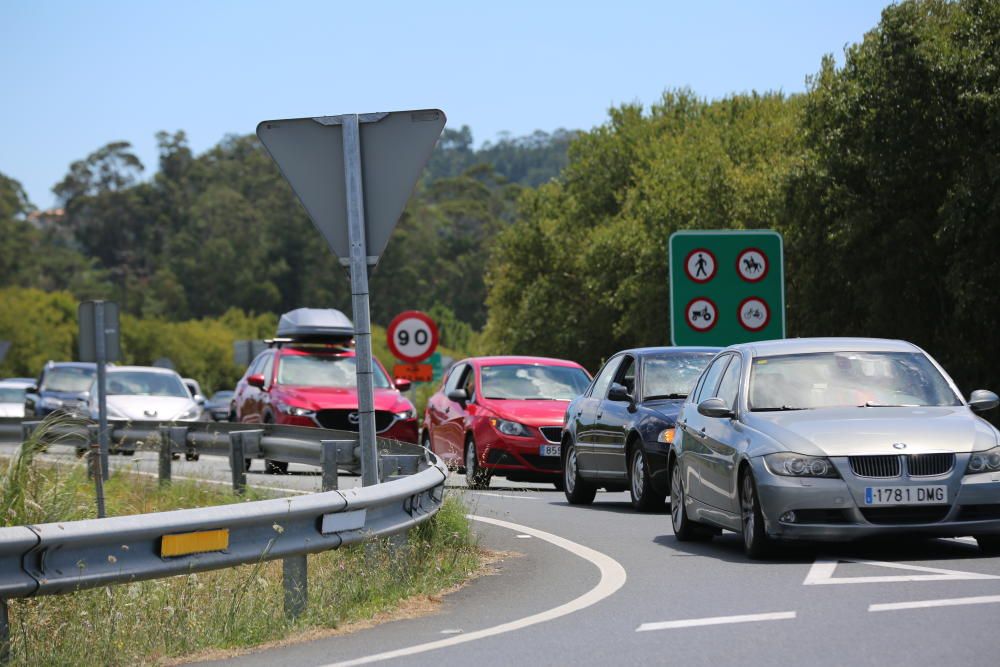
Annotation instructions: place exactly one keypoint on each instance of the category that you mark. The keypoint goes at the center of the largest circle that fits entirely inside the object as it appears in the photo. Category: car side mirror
(402, 384)
(199, 399)
(458, 395)
(715, 408)
(618, 392)
(33, 389)
(256, 380)
(982, 400)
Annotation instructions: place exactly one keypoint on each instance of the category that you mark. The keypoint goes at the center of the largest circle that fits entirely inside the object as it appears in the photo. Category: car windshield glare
(672, 375)
(11, 395)
(528, 382)
(847, 379)
(69, 379)
(142, 383)
(307, 370)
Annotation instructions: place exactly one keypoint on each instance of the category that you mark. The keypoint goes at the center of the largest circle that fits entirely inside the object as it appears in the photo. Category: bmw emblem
(899, 445)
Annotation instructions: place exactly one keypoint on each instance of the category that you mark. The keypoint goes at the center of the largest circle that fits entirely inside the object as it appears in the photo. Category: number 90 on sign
(412, 336)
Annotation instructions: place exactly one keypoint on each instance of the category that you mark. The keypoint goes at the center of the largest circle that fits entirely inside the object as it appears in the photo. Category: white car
(12, 397)
(145, 393)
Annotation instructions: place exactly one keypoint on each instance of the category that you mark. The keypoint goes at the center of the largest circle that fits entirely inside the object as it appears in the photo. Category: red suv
(503, 416)
(316, 385)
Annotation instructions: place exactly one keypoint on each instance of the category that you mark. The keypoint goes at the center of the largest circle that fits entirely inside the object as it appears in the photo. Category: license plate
(906, 495)
(549, 450)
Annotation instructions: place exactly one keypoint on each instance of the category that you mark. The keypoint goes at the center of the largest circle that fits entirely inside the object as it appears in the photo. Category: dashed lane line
(716, 620)
(612, 578)
(923, 604)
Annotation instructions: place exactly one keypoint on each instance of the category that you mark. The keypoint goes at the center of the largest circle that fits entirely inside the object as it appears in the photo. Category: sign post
(99, 343)
(726, 287)
(354, 174)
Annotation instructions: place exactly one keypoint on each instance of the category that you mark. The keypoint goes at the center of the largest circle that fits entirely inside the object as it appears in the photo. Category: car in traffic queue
(62, 385)
(833, 439)
(503, 416)
(218, 406)
(12, 392)
(143, 393)
(308, 377)
(619, 432)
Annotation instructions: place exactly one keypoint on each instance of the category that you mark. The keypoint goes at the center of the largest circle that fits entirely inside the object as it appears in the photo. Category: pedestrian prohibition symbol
(726, 287)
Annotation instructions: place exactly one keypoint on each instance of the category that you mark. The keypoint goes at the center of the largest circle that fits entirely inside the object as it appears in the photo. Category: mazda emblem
(354, 418)
(899, 445)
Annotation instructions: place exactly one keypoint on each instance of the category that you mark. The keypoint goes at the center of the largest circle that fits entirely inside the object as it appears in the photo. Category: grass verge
(159, 621)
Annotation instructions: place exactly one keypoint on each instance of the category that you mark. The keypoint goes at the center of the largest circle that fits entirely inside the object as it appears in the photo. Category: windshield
(845, 379)
(144, 383)
(69, 378)
(326, 370)
(11, 394)
(672, 375)
(533, 383)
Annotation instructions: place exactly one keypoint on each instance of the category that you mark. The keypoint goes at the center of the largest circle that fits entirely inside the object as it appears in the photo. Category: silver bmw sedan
(833, 439)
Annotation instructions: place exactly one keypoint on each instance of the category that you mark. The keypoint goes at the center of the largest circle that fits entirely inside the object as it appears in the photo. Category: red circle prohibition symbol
(715, 314)
(715, 265)
(739, 262)
(394, 325)
(767, 314)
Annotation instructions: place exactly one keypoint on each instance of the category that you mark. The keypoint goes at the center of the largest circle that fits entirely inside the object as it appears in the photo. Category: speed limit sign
(413, 336)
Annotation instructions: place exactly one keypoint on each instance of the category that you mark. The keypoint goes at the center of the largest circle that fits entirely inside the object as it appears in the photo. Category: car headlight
(791, 464)
(988, 461)
(51, 403)
(666, 436)
(405, 414)
(191, 413)
(293, 410)
(509, 427)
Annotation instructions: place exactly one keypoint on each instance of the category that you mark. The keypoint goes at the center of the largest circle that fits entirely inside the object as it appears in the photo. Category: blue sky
(76, 75)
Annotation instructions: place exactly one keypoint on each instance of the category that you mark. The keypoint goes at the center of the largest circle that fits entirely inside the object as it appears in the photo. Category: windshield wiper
(652, 398)
(871, 404)
(776, 409)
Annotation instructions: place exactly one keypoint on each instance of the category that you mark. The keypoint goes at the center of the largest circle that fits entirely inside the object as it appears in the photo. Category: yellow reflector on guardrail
(194, 543)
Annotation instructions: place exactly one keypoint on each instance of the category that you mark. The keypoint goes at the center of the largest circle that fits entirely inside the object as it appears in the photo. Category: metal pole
(359, 297)
(237, 462)
(328, 460)
(100, 456)
(4, 633)
(294, 575)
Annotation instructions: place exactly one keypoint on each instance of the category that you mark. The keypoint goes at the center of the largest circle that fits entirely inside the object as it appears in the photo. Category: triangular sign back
(395, 147)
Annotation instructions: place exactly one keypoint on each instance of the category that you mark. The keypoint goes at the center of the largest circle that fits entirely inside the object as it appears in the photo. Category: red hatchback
(316, 385)
(503, 416)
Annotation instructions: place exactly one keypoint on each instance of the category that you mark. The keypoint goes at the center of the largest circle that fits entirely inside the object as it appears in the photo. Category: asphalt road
(606, 585)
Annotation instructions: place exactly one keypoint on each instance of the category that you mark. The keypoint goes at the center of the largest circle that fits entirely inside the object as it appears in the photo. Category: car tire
(475, 476)
(246, 464)
(756, 543)
(644, 496)
(272, 467)
(578, 491)
(685, 530)
(989, 544)
(192, 456)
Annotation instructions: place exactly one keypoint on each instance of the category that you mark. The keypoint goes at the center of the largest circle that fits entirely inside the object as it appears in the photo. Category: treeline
(884, 179)
(223, 230)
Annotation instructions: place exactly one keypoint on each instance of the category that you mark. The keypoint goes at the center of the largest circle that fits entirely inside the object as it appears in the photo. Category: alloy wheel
(638, 475)
(676, 497)
(747, 502)
(569, 474)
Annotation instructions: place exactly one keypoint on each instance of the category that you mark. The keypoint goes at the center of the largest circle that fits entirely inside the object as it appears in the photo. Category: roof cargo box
(315, 325)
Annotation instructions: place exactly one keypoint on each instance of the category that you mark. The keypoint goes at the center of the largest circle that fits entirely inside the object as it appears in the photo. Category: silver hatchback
(833, 439)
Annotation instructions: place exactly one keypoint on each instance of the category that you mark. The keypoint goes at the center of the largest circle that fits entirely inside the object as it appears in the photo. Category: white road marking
(523, 537)
(948, 602)
(612, 578)
(717, 620)
(453, 631)
(502, 495)
(822, 570)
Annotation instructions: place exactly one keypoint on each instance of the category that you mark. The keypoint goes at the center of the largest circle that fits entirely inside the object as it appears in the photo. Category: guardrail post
(165, 455)
(4, 633)
(294, 571)
(328, 461)
(237, 461)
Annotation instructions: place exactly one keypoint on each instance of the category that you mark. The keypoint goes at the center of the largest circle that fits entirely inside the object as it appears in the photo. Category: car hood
(11, 409)
(861, 431)
(147, 408)
(530, 413)
(328, 398)
(667, 408)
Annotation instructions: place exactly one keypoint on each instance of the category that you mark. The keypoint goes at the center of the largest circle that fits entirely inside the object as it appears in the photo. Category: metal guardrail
(55, 558)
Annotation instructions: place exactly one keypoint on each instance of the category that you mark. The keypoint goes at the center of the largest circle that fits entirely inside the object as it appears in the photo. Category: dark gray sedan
(833, 439)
